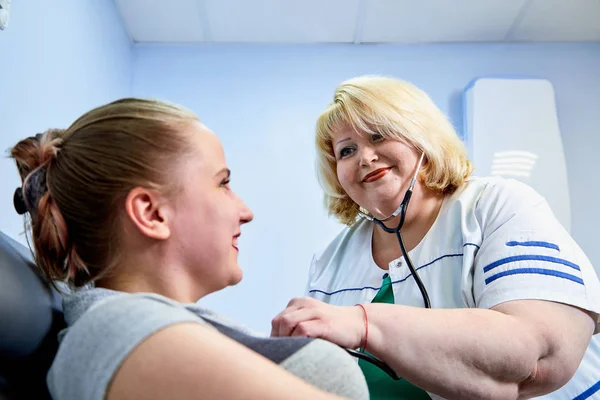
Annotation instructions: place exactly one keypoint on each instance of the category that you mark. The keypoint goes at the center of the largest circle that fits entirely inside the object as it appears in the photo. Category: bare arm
(189, 361)
(518, 349)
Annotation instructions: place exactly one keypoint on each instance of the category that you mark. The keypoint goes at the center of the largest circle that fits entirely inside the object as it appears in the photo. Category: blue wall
(263, 102)
(58, 60)
(61, 59)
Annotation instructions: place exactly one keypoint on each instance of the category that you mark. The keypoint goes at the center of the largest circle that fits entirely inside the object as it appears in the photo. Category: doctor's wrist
(365, 336)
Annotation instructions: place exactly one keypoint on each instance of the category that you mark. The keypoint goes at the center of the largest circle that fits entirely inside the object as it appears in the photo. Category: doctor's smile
(376, 175)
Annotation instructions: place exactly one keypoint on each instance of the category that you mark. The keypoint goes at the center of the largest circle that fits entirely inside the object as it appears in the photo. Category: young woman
(132, 207)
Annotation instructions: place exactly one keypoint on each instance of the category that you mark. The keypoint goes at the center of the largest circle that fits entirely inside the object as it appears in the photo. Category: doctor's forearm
(466, 353)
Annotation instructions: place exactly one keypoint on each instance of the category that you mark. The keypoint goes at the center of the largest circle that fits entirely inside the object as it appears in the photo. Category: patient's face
(208, 215)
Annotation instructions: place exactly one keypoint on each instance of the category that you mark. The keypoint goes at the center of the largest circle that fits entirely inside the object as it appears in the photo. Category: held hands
(306, 317)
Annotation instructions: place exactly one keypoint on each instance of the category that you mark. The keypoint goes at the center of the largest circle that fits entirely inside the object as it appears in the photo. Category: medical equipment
(375, 361)
(401, 210)
(524, 112)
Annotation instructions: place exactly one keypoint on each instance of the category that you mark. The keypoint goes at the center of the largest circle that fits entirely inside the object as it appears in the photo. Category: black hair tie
(26, 197)
(19, 201)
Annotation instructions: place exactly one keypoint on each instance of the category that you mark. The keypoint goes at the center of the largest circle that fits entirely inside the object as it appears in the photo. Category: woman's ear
(147, 210)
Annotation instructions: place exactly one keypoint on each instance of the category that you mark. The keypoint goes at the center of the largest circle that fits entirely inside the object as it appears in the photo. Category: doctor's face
(375, 171)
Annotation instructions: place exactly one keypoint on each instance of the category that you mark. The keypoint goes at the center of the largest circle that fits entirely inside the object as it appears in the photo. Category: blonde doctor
(491, 298)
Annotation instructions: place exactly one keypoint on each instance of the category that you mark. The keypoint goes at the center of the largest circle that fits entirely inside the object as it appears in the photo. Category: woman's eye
(225, 183)
(377, 137)
(346, 151)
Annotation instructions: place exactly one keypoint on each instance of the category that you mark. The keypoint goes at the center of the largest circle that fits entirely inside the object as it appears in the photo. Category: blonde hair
(84, 173)
(395, 109)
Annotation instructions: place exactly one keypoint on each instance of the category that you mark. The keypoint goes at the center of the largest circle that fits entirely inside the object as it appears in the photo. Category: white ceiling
(361, 21)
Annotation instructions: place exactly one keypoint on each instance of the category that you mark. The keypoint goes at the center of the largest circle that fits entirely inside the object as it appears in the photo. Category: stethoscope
(401, 210)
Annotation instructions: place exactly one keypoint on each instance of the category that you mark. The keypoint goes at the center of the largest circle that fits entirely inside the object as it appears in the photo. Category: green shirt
(381, 385)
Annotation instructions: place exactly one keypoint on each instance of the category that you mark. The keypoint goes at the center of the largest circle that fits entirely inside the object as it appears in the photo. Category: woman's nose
(246, 214)
(367, 156)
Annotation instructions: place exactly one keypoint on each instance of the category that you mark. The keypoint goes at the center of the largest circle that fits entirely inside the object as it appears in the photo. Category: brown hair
(86, 172)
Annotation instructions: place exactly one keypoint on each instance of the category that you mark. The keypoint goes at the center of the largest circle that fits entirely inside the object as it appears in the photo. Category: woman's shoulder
(105, 326)
(497, 197)
(111, 325)
(495, 187)
(106, 304)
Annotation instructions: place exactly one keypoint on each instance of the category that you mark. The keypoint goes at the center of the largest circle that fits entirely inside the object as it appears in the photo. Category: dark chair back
(30, 319)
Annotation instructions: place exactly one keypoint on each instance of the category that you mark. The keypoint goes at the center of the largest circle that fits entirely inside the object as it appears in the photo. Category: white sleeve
(527, 254)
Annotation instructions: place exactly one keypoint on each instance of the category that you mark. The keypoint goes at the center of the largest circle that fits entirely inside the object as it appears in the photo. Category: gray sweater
(104, 326)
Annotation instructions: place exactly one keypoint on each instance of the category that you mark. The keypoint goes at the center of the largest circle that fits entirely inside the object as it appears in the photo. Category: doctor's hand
(306, 317)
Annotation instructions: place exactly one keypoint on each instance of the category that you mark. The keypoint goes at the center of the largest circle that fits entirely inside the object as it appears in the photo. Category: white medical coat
(494, 240)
